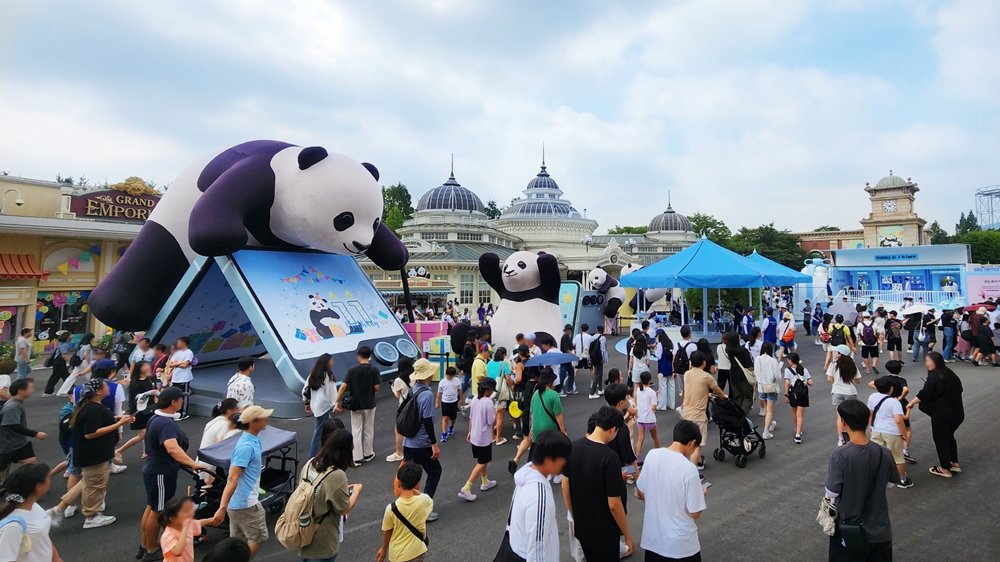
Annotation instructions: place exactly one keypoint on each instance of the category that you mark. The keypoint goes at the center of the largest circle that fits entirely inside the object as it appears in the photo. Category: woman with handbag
(499, 370)
(768, 372)
(941, 399)
(741, 373)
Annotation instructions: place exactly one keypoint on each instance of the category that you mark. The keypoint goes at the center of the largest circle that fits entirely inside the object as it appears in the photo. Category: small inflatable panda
(528, 285)
(614, 295)
(323, 317)
(648, 296)
(262, 193)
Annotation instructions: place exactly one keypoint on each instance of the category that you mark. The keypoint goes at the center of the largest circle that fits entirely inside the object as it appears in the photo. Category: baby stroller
(278, 477)
(737, 435)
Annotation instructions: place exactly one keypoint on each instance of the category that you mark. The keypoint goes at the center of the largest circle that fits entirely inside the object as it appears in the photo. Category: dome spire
(452, 166)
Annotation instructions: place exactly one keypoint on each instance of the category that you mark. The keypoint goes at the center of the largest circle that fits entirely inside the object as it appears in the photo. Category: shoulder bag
(506, 553)
(751, 378)
(853, 532)
(541, 399)
(406, 523)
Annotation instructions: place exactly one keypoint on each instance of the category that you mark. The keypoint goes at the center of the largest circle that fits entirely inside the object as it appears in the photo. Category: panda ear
(371, 169)
(310, 156)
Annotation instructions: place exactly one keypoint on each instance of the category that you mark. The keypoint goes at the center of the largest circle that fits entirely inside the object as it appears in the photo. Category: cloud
(968, 48)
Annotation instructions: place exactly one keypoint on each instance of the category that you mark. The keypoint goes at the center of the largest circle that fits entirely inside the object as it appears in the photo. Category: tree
(394, 219)
(827, 228)
(397, 196)
(966, 224)
(628, 230)
(984, 244)
(492, 210)
(779, 245)
(938, 234)
(68, 180)
(713, 228)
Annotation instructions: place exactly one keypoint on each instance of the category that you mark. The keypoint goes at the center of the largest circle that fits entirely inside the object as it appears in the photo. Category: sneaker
(906, 483)
(451, 430)
(600, 392)
(66, 474)
(574, 391)
(909, 458)
(117, 468)
(761, 412)
(394, 458)
(630, 481)
(774, 424)
(56, 515)
(184, 417)
(518, 436)
(500, 442)
(767, 435)
(99, 520)
(432, 516)
(562, 395)
(70, 511)
(622, 549)
(141, 553)
(701, 465)
(492, 484)
(593, 397)
(47, 394)
(557, 479)
(467, 496)
(154, 556)
(444, 436)
(369, 458)
(874, 368)
(512, 466)
(798, 439)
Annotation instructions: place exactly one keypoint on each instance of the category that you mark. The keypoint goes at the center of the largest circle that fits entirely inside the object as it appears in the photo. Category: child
(617, 396)
(645, 403)
(482, 418)
(448, 394)
(887, 424)
(179, 530)
(233, 549)
(797, 383)
(402, 542)
(900, 393)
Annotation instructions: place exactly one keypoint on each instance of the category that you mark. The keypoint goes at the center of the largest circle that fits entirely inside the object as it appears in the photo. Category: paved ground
(763, 512)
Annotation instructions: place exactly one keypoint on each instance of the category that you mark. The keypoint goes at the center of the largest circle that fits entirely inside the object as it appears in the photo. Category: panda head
(411, 273)
(630, 268)
(600, 280)
(422, 272)
(325, 201)
(317, 303)
(520, 272)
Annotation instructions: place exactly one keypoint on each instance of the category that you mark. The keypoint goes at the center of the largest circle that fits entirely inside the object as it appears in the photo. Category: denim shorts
(72, 468)
(769, 396)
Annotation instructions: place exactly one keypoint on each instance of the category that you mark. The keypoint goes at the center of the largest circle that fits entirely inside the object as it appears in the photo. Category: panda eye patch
(522, 265)
(343, 221)
(375, 225)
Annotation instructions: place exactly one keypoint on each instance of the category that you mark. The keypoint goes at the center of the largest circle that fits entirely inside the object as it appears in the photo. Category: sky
(755, 111)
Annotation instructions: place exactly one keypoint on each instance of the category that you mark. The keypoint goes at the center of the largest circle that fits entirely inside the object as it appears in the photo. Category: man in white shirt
(685, 343)
(581, 348)
(142, 352)
(532, 526)
(240, 387)
(674, 496)
(529, 340)
(888, 424)
(181, 376)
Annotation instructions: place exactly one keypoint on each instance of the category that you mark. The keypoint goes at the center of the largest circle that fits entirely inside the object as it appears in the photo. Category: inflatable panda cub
(614, 295)
(647, 296)
(528, 285)
(264, 194)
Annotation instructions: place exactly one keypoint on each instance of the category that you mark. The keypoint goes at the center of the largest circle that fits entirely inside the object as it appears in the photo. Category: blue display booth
(285, 307)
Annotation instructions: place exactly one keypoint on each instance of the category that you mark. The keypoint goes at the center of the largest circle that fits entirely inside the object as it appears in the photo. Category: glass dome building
(451, 196)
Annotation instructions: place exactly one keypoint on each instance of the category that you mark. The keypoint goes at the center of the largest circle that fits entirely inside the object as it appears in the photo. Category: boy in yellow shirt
(404, 526)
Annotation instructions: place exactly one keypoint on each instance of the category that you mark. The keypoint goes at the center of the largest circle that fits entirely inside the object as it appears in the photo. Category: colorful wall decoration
(889, 236)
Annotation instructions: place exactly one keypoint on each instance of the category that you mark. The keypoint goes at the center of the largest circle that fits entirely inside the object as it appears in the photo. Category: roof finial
(543, 155)
(452, 165)
(669, 206)
(890, 172)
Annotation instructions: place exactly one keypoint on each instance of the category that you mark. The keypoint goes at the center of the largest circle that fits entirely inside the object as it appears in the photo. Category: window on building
(438, 277)
(470, 236)
(393, 276)
(646, 249)
(377, 276)
(465, 289)
(434, 235)
(484, 291)
(436, 219)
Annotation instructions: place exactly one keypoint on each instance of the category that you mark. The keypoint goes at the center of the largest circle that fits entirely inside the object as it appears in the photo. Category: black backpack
(798, 389)
(837, 336)
(682, 363)
(596, 357)
(409, 420)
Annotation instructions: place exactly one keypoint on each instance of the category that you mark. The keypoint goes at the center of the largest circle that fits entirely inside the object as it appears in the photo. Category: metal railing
(889, 299)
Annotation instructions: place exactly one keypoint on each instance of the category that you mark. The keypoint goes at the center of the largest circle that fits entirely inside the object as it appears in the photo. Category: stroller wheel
(741, 461)
(277, 506)
(763, 451)
(719, 455)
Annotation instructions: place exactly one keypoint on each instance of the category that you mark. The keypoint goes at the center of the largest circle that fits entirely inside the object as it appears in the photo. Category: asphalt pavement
(765, 511)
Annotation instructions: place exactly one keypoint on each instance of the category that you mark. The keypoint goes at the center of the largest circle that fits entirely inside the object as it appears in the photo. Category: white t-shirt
(140, 355)
(767, 370)
(11, 543)
(885, 421)
(450, 389)
(581, 343)
(791, 375)
(994, 316)
(722, 362)
(19, 345)
(673, 491)
(179, 374)
(645, 399)
(214, 430)
(4, 381)
(241, 388)
(755, 348)
(839, 386)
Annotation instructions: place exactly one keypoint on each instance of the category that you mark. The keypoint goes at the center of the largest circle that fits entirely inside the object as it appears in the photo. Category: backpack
(868, 334)
(409, 420)
(297, 525)
(594, 349)
(682, 362)
(798, 389)
(837, 336)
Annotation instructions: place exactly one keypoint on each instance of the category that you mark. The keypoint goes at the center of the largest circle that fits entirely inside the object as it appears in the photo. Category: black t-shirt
(137, 387)
(90, 452)
(159, 430)
(361, 381)
(851, 474)
(595, 474)
(464, 362)
(622, 446)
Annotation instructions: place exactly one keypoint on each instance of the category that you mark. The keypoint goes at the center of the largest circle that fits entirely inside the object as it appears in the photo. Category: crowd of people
(756, 366)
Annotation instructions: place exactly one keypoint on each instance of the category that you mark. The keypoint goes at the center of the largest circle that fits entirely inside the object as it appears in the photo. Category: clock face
(889, 206)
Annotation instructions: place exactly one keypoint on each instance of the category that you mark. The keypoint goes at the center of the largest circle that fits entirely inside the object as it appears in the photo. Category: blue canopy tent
(703, 265)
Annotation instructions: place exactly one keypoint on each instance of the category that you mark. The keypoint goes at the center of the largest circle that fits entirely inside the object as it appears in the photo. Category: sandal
(956, 469)
(937, 471)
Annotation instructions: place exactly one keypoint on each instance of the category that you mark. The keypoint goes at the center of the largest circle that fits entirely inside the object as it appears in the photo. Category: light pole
(3, 200)
(630, 244)
(587, 241)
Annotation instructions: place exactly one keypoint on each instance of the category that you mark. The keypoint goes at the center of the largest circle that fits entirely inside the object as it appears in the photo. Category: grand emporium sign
(130, 201)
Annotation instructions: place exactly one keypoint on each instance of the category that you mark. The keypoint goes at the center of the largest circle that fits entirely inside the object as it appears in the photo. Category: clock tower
(893, 221)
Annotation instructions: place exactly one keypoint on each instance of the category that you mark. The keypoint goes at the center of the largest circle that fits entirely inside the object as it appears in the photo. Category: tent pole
(704, 312)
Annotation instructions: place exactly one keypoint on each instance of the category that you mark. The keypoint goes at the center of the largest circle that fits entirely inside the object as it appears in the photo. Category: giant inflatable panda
(528, 285)
(614, 295)
(261, 193)
(646, 296)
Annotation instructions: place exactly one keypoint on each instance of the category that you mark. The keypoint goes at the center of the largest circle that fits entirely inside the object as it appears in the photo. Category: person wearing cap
(241, 497)
(423, 448)
(786, 334)
(869, 337)
(95, 432)
(482, 418)
(114, 401)
(164, 445)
